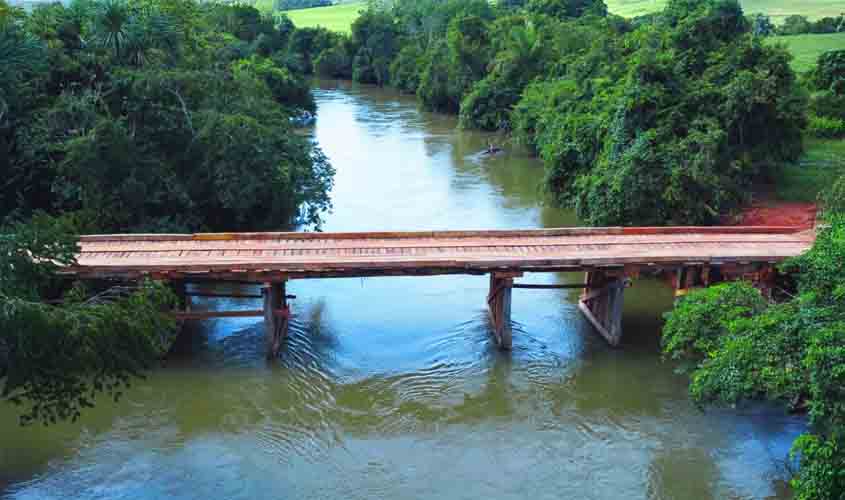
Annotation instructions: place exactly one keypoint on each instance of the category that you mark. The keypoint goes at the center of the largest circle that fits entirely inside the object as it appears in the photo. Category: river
(392, 387)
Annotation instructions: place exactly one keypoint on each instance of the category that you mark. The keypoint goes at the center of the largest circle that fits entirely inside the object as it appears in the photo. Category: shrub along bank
(667, 119)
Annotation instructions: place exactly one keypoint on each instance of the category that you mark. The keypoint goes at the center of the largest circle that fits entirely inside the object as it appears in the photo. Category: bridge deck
(271, 256)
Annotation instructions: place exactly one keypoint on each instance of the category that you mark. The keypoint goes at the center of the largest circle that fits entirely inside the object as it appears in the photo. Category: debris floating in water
(303, 119)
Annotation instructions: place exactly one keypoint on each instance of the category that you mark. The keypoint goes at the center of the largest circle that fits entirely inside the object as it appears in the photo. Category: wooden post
(766, 279)
(276, 317)
(499, 305)
(602, 304)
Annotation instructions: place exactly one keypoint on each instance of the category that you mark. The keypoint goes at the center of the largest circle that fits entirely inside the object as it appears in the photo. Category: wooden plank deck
(261, 257)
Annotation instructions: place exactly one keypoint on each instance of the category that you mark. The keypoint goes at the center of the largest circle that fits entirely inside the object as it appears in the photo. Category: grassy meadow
(776, 9)
(340, 17)
(808, 48)
(336, 18)
(822, 163)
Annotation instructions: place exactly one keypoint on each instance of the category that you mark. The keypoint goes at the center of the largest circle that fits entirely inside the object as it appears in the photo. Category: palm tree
(112, 20)
(149, 32)
(20, 54)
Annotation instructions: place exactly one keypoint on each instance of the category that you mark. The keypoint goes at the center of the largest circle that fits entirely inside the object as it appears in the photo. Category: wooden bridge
(610, 257)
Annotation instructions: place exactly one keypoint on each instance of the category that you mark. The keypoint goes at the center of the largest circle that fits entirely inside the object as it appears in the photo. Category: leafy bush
(827, 103)
(834, 198)
(792, 352)
(288, 89)
(54, 359)
(438, 89)
(333, 62)
(829, 73)
(636, 137)
(795, 25)
(375, 43)
(406, 68)
(701, 319)
(799, 25)
(826, 128)
(488, 106)
(568, 8)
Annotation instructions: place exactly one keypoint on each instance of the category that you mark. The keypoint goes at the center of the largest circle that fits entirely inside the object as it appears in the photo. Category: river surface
(392, 388)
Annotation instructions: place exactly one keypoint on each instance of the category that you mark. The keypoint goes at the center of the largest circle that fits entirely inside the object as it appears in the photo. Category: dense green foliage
(301, 4)
(827, 100)
(157, 116)
(55, 358)
(621, 111)
(799, 25)
(631, 134)
(739, 348)
(141, 115)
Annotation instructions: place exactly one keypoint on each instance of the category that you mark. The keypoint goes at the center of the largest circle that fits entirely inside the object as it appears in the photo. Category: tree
(739, 348)
(333, 62)
(55, 359)
(636, 139)
(375, 44)
(761, 25)
(521, 56)
(568, 8)
(795, 25)
(112, 20)
(178, 118)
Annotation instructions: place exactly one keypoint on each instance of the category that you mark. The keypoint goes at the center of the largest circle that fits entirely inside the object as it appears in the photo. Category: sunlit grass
(822, 163)
(777, 9)
(808, 48)
(633, 8)
(335, 18)
(340, 17)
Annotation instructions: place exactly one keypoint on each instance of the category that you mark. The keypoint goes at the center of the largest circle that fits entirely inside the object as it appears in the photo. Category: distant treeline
(301, 4)
(799, 25)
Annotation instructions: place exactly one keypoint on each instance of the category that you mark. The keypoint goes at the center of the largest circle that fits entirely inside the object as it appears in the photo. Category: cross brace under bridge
(610, 257)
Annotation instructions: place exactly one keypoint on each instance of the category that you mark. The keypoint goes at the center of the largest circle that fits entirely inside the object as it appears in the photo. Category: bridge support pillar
(276, 317)
(602, 304)
(180, 288)
(499, 306)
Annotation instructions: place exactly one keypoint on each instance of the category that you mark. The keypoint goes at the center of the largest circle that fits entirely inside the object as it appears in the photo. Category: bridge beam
(276, 317)
(499, 306)
(602, 304)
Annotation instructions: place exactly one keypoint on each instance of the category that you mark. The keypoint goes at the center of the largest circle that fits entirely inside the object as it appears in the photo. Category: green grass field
(340, 17)
(822, 163)
(336, 18)
(777, 9)
(808, 48)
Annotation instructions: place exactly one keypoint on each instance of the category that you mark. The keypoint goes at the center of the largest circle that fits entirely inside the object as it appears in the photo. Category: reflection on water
(392, 387)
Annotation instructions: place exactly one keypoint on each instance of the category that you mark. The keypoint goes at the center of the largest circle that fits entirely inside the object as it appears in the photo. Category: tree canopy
(621, 111)
(126, 116)
(737, 347)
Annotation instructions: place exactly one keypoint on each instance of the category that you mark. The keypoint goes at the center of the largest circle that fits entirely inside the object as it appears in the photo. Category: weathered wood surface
(499, 306)
(261, 257)
(602, 304)
(276, 317)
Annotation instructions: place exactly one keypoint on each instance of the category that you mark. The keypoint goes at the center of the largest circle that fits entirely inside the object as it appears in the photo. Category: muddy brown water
(392, 387)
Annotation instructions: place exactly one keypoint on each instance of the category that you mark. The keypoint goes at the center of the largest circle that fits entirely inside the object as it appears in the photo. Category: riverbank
(393, 386)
